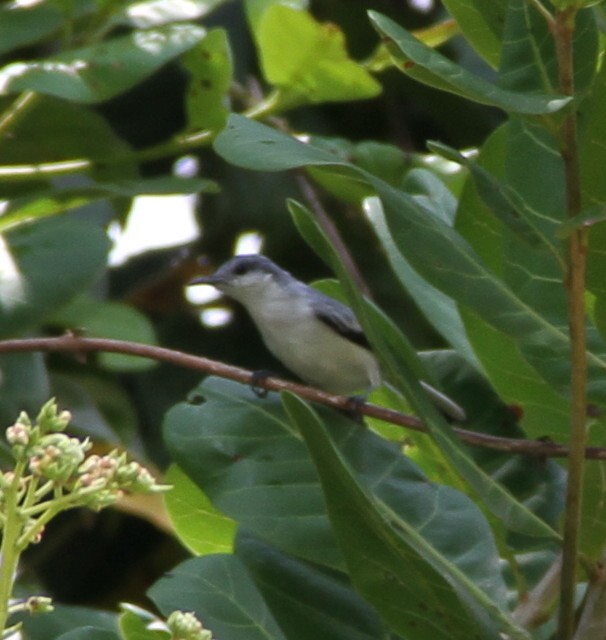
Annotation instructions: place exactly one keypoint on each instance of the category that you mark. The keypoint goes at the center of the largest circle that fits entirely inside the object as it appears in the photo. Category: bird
(316, 337)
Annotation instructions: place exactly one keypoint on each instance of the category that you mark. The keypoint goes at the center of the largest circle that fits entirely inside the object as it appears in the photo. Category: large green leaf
(523, 374)
(528, 56)
(55, 130)
(428, 66)
(245, 456)
(391, 563)
(308, 61)
(439, 309)
(481, 23)
(308, 601)
(220, 592)
(44, 266)
(502, 201)
(511, 375)
(101, 71)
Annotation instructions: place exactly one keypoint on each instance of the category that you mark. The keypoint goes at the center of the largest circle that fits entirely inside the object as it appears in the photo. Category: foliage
(303, 522)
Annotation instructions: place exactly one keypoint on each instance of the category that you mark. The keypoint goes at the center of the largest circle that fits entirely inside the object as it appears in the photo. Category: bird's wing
(342, 319)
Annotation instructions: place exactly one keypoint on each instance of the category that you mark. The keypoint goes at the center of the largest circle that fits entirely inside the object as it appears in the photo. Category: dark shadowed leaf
(430, 67)
(220, 592)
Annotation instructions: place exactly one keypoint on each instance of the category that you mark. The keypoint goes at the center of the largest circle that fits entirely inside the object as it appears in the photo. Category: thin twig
(77, 344)
(329, 227)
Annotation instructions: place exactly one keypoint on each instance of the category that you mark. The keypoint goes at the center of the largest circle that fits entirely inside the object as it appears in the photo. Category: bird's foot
(256, 382)
(353, 408)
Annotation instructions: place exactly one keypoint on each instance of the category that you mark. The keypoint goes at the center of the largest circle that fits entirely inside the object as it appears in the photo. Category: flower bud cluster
(57, 457)
(106, 478)
(185, 626)
(52, 456)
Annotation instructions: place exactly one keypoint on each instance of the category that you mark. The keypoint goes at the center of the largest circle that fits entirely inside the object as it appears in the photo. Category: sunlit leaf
(210, 67)
(101, 71)
(308, 60)
(200, 527)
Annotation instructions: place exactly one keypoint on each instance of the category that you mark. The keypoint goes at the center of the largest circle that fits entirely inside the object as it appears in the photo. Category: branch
(562, 28)
(80, 345)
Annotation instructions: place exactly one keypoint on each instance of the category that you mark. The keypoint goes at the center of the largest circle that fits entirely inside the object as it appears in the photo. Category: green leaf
(200, 527)
(528, 56)
(482, 25)
(501, 200)
(522, 373)
(220, 592)
(56, 131)
(65, 620)
(440, 310)
(50, 202)
(406, 579)
(593, 156)
(102, 71)
(244, 455)
(308, 61)
(134, 624)
(107, 319)
(307, 601)
(429, 67)
(255, 9)
(210, 66)
(45, 265)
(25, 385)
(23, 25)
(89, 633)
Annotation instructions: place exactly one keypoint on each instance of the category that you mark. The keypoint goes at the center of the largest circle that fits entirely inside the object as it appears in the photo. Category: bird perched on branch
(317, 337)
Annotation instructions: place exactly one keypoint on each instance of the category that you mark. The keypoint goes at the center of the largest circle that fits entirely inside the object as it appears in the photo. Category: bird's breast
(312, 350)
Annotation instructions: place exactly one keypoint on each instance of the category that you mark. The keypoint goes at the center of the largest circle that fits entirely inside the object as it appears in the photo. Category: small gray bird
(315, 336)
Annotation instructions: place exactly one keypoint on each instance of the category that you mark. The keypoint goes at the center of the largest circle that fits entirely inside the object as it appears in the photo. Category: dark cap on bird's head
(243, 269)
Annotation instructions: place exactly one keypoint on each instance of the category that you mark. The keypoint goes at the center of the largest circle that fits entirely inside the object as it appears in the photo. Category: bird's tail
(444, 403)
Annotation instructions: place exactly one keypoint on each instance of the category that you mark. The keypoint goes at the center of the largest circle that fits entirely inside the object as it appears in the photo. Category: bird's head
(246, 277)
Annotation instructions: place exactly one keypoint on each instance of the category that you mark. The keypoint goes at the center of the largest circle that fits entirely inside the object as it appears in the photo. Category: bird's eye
(240, 269)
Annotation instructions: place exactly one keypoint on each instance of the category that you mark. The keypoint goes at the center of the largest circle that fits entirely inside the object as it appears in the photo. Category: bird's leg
(256, 382)
(353, 407)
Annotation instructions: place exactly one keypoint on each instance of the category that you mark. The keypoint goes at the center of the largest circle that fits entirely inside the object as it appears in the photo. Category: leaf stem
(562, 29)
